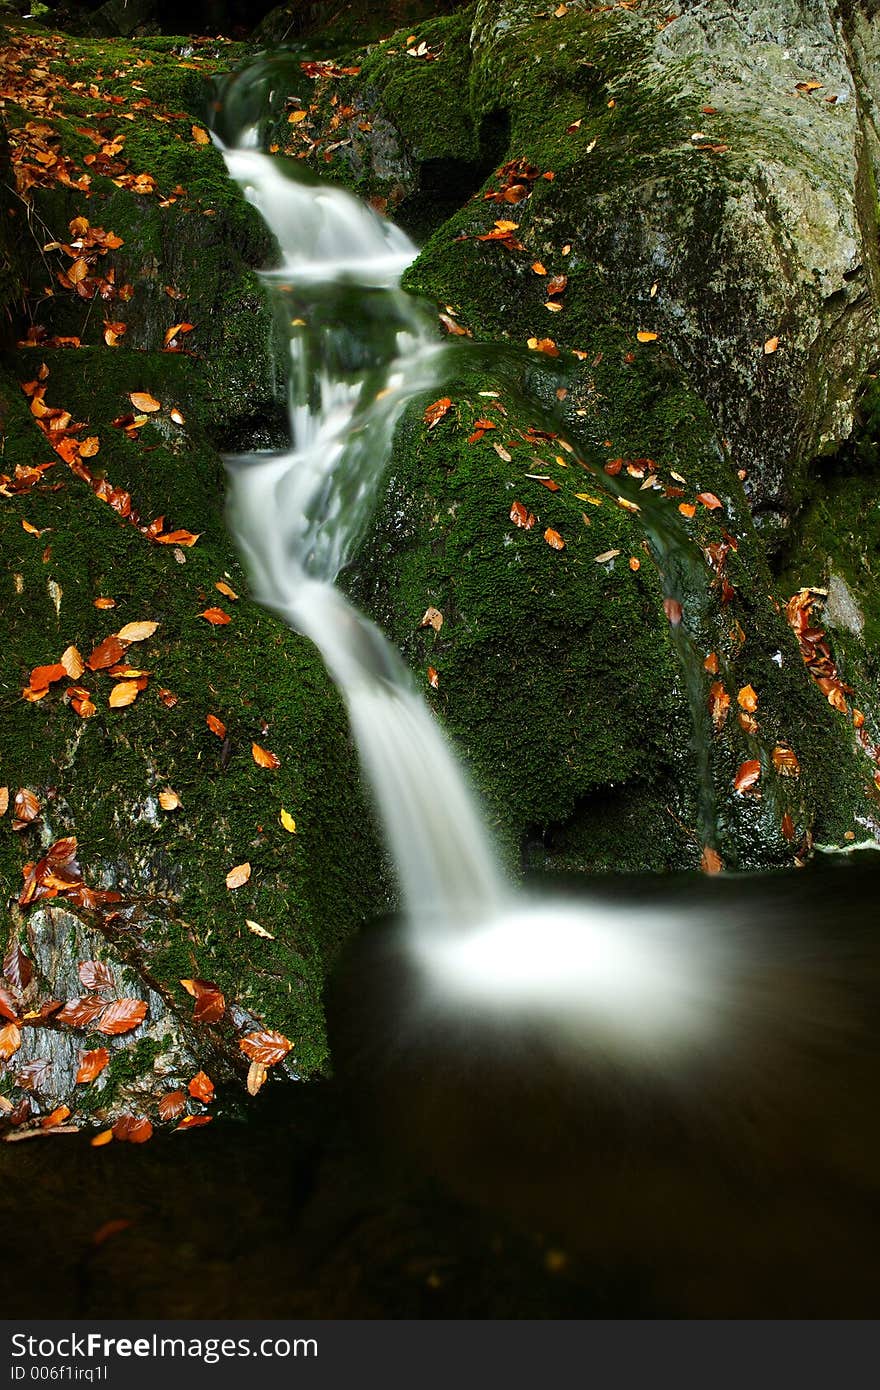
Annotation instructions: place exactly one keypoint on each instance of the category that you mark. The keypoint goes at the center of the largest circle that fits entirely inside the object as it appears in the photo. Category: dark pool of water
(464, 1168)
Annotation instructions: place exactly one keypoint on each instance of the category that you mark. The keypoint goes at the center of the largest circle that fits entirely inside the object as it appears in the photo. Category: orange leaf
(122, 1016)
(215, 725)
(169, 800)
(202, 1087)
(193, 1122)
(645, 337)
(57, 1117)
(672, 609)
(72, 663)
(44, 676)
(710, 861)
(265, 1047)
(687, 509)
(105, 1137)
(770, 346)
(435, 412)
(747, 775)
(186, 538)
(107, 653)
(92, 1064)
(433, 678)
(711, 664)
(200, 136)
(748, 699)
(216, 617)
(124, 693)
(432, 618)
(709, 500)
(171, 1105)
(105, 602)
(263, 758)
(553, 539)
(785, 761)
(522, 517)
(238, 876)
(719, 703)
(132, 1129)
(224, 589)
(144, 402)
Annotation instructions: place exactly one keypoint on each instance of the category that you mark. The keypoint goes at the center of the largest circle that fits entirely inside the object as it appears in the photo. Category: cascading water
(360, 349)
(298, 514)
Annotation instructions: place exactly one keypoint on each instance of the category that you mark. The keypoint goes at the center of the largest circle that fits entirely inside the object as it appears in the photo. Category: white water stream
(360, 350)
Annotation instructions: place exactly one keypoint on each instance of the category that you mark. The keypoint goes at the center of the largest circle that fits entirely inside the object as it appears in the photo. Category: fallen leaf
(709, 500)
(502, 453)
(257, 929)
(719, 703)
(144, 402)
(91, 1065)
(770, 346)
(433, 678)
(238, 876)
(96, 974)
(747, 775)
(785, 761)
(210, 1002)
(787, 827)
(256, 1076)
(4, 800)
(287, 821)
(711, 664)
(435, 412)
(748, 699)
(10, 1041)
(17, 967)
(263, 758)
(136, 632)
(687, 509)
(123, 693)
(171, 1105)
(193, 1122)
(605, 556)
(177, 415)
(710, 861)
(265, 1047)
(202, 1087)
(216, 617)
(225, 589)
(80, 1013)
(169, 800)
(57, 1117)
(104, 602)
(644, 336)
(522, 517)
(432, 618)
(672, 609)
(132, 1129)
(72, 663)
(122, 1016)
(215, 725)
(107, 653)
(553, 539)
(200, 136)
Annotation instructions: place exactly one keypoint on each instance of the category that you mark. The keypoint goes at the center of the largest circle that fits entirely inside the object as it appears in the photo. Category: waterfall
(360, 349)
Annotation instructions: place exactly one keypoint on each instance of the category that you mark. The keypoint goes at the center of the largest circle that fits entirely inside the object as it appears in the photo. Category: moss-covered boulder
(163, 801)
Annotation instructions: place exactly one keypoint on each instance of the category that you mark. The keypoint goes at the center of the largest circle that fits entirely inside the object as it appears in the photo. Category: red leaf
(79, 1013)
(107, 653)
(92, 1064)
(133, 1129)
(193, 1122)
(202, 1087)
(172, 1105)
(216, 617)
(123, 1015)
(8, 1007)
(17, 967)
(210, 1003)
(215, 725)
(94, 974)
(267, 1048)
(435, 412)
(747, 775)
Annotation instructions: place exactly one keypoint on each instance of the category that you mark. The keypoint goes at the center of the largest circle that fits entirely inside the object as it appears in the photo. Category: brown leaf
(719, 703)
(216, 617)
(747, 775)
(171, 1105)
(711, 664)
(10, 1041)
(9, 1008)
(265, 1047)
(202, 1087)
(17, 967)
(25, 808)
(215, 725)
(787, 827)
(522, 517)
(193, 1122)
(557, 284)
(169, 800)
(107, 653)
(132, 1129)
(672, 609)
(433, 678)
(709, 500)
(210, 1003)
(122, 1016)
(96, 975)
(263, 758)
(435, 412)
(238, 876)
(144, 402)
(92, 1064)
(710, 861)
(79, 1013)
(177, 330)
(72, 663)
(57, 1117)
(4, 800)
(785, 761)
(432, 618)
(104, 602)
